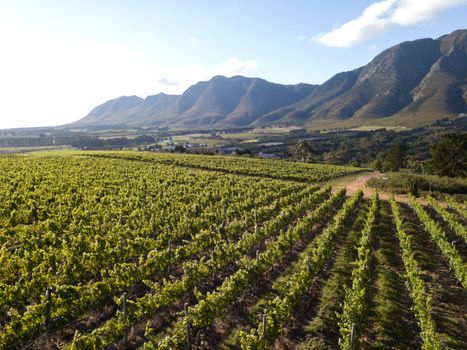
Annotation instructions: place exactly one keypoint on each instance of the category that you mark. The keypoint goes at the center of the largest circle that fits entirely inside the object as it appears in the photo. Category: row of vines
(129, 250)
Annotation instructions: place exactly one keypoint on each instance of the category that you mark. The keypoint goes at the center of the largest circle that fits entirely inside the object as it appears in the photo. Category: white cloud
(382, 15)
(194, 40)
(415, 11)
(51, 80)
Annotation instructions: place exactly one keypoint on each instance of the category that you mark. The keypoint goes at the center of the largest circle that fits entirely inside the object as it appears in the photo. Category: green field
(376, 127)
(134, 250)
(224, 138)
(26, 149)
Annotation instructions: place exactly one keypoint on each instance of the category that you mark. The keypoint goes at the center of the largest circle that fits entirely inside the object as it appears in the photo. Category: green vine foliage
(280, 309)
(354, 308)
(450, 218)
(216, 302)
(439, 237)
(417, 290)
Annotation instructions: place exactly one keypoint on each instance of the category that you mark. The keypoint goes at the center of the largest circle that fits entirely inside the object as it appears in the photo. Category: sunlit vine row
(439, 237)
(280, 309)
(417, 289)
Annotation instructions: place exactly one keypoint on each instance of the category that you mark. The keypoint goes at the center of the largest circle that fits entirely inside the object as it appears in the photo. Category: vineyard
(131, 250)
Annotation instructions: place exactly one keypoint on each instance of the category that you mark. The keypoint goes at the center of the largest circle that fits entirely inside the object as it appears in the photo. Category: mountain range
(413, 83)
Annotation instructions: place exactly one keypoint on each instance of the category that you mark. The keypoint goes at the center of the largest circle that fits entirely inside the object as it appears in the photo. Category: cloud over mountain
(381, 16)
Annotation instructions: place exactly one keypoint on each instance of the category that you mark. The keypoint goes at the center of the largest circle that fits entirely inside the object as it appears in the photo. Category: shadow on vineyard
(390, 321)
(249, 310)
(448, 295)
(318, 323)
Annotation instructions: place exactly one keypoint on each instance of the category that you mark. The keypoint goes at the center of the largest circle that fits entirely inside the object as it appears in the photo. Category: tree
(303, 152)
(179, 149)
(448, 155)
(377, 164)
(242, 151)
(395, 158)
(415, 163)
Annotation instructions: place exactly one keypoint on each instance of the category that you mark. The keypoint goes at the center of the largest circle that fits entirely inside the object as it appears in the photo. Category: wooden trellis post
(188, 327)
(256, 220)
(263, 322)
(352, 335)
(263, 329)
(125, 314)
(48, 300)
(222, 228)
(169, 253)
(121, 248)
(39, 238)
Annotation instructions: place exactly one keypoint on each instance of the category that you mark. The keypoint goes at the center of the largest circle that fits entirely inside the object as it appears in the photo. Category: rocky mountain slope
(412, 83)
(221, 101)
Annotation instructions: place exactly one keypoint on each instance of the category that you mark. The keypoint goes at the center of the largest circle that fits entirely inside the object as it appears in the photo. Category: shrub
(417, 184)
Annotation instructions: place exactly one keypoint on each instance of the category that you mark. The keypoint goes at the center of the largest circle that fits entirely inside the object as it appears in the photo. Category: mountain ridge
(412, 83)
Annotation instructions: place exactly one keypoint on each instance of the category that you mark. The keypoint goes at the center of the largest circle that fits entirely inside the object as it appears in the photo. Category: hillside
(413, 83)
(417, 81)
(221, 101)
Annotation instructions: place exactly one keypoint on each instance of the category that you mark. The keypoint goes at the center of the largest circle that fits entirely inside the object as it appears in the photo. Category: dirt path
(359, 183)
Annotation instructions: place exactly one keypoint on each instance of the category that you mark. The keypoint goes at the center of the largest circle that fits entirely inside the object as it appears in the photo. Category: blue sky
(59, 59)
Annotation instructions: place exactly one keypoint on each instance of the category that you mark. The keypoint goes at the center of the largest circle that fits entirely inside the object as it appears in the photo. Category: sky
(60, 59)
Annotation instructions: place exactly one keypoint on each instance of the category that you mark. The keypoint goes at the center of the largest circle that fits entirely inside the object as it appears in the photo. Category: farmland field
(125, 250)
